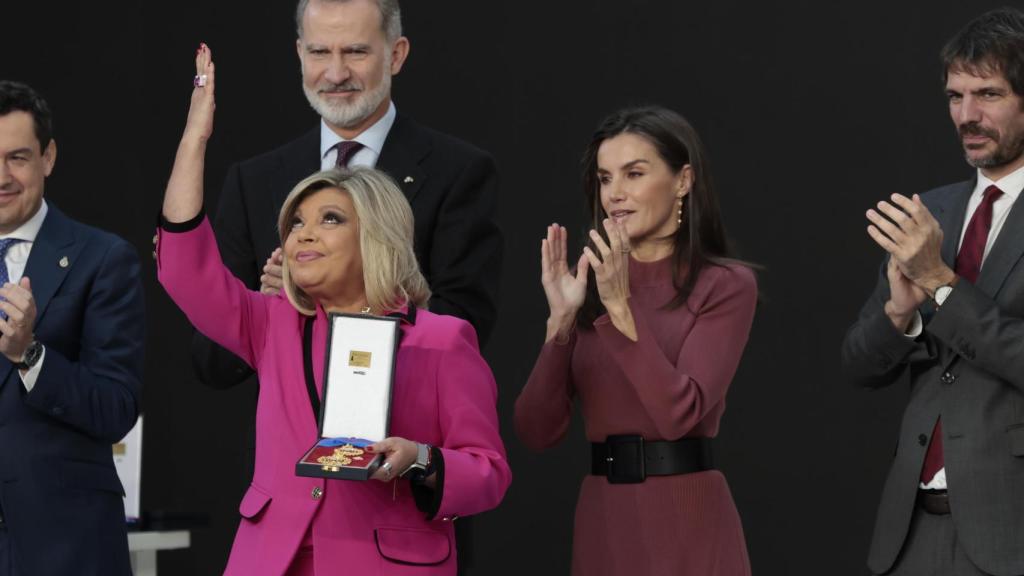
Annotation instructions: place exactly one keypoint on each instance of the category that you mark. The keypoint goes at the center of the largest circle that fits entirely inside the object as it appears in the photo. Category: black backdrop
(811, 113)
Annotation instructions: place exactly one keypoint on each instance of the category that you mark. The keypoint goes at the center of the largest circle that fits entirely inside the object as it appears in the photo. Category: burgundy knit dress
(668, 384)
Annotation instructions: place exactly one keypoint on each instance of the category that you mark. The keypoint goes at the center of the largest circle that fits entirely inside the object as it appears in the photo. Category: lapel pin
(408, 180)
(64, 262)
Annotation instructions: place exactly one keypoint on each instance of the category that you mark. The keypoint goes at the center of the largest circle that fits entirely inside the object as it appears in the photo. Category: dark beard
(1003, 154)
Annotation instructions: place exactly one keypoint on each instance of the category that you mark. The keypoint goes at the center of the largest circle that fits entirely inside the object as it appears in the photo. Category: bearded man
(947, 315)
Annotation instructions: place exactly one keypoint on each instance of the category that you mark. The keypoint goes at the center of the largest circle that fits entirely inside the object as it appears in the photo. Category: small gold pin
(408, 180)
(64, 262)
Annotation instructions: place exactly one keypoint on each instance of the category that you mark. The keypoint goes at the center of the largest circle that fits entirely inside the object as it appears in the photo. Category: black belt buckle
(625, 457)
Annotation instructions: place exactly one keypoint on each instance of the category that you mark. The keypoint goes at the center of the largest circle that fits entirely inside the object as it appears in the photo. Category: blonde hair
(391, 275)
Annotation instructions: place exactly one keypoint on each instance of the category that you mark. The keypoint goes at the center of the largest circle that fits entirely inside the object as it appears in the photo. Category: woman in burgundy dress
(649, 345)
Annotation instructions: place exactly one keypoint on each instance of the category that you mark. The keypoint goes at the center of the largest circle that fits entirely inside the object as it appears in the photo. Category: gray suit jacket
(968, 368)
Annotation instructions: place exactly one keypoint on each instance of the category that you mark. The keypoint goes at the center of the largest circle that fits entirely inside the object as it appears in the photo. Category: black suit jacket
(451, 186)
(61, 497)
(967, 367)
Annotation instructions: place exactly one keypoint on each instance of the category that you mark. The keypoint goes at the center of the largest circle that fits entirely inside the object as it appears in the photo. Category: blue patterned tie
(4, 275)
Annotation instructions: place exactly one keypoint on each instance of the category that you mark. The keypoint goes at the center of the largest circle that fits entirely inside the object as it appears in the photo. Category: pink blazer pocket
(254, 501)
(415, 546)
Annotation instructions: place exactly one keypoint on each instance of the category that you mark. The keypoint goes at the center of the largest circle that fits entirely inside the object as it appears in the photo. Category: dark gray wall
(811, 113)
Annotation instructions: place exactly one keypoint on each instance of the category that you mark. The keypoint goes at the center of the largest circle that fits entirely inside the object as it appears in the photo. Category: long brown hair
(701, 239)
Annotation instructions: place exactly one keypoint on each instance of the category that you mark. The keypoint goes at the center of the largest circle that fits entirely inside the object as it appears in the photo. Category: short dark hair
(15, 97)
(991, 43)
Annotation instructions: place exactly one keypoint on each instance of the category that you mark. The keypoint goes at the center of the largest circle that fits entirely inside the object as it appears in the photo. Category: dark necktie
(346, 150)
(5, 277)
(968, 267)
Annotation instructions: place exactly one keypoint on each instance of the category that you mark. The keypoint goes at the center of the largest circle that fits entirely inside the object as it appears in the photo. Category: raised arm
(183, 200)
(188, 262)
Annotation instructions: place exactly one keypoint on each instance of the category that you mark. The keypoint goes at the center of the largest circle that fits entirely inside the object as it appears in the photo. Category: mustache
(975, 129)
(343, 87)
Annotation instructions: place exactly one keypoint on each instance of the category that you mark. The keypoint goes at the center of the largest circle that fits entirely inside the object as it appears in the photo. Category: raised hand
(183, 200)
(611, 270)
(200, 113)
(565, 292)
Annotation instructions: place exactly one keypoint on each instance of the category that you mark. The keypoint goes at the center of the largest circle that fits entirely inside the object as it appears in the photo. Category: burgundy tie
(346, 150)
(968, 266)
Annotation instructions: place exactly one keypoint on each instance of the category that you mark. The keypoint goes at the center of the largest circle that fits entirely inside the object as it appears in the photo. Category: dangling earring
(679, 218)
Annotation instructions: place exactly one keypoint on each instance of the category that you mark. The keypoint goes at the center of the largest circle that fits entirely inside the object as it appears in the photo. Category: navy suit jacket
(61, 497)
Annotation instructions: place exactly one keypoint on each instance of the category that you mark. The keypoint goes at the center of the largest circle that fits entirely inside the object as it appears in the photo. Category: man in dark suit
(71, 333)
(948, 313)
(349, 50)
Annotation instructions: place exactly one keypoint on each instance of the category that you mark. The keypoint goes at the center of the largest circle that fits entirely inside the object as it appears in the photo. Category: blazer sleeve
(99, 391)
(973, 326)
(677, 393)
(476, 472)
(543, 410)
(216, 302)
(874, 353)
(466, 252)
(212, 364)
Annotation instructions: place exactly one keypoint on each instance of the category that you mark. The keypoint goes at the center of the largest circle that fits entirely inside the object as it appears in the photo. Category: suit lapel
(951, 219)
(51, 259)
(1005, 253)
(297, 162)
(404, 148)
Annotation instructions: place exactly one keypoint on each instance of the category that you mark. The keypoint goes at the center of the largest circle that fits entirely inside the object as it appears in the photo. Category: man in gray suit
(948, 313)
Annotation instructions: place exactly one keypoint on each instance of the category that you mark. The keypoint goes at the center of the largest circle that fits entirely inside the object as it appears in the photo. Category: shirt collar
(1011, 184)
(30, 229)
(372, 138)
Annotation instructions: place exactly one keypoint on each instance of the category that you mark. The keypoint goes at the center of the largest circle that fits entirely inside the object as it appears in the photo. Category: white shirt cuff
(28, 379)
(916, 326)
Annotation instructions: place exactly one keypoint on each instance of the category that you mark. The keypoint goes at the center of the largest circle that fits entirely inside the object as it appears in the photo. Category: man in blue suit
(71, 339)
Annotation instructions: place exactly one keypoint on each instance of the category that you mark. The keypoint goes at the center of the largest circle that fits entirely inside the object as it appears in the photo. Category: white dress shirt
(1011, 185)
(16, 259)
(372, 140)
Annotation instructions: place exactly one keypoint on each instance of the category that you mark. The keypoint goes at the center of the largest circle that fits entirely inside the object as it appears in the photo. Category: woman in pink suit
(347, 239)
(649, 346)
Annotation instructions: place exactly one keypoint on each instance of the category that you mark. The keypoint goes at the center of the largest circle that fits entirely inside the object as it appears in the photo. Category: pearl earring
(679, 219)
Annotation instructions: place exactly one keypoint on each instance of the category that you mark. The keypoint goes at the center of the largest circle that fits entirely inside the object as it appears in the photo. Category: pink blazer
(444, 395)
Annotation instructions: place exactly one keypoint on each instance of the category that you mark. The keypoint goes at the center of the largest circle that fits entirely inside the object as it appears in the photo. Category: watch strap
(31, 356)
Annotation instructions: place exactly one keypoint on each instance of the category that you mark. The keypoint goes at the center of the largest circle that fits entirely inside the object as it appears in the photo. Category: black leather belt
(933, 501)
(631, 459)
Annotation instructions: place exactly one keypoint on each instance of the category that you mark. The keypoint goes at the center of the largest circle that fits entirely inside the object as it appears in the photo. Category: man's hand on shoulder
(271, 282)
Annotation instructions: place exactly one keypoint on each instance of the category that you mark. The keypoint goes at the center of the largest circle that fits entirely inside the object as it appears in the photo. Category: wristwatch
(423, 467)
(941, 293)
(32, 355)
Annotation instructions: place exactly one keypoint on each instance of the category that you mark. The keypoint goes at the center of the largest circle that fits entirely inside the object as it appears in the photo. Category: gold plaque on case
(359, 359)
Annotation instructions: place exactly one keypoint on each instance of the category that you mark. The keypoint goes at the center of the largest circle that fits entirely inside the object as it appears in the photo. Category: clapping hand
(564, 290)
(16, 330)
(612, 268)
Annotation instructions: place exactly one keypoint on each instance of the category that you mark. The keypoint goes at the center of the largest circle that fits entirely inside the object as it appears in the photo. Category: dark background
(811, 112)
